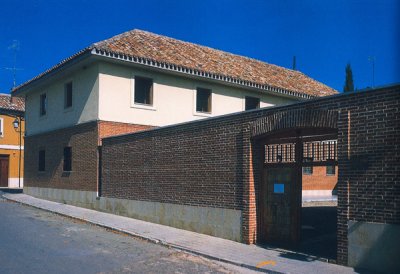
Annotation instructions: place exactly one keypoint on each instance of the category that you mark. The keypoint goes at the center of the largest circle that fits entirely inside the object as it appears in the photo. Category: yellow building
(12, 129)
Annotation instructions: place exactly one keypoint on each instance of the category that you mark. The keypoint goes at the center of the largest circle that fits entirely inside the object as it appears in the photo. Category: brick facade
(216, 163)
(107, 129)
(83, 140)
(319, 180)
(145, 169)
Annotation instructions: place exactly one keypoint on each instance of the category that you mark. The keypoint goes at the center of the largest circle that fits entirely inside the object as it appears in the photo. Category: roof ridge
(115, 37)
(203, 60)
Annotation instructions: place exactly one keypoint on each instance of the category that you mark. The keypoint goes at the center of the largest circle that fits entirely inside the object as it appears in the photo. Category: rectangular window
(43, 104)
(307, 169)
(252, 103)
(330, 170)
(42, 160)
(203, 100)
(1, 128)
(67, 158)
(143, 91)
(68, 95)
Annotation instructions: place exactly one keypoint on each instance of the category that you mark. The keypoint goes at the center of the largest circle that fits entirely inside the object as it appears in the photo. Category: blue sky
(323, 35)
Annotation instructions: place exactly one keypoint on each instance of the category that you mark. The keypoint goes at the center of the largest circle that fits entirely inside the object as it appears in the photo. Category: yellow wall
(9, 145)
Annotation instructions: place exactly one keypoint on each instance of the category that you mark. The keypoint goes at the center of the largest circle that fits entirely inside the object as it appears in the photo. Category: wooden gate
(280, 211)
(281, 186)
(281, 194)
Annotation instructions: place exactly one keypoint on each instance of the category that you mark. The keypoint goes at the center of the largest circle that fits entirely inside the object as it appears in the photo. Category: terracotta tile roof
(164, 49)
(206, 62)
(17, 104)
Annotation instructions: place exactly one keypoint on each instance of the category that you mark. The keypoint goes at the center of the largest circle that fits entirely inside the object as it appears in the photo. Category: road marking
(261, 264)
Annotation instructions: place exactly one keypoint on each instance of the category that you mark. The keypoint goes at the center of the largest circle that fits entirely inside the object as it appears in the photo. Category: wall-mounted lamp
(16, 123)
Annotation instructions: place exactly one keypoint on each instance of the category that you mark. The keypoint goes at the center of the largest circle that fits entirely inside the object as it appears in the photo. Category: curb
(150, 239)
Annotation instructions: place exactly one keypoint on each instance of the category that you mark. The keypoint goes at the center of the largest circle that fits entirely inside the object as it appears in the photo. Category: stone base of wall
(318, 195)
(374, 246)
(15, 182)
(219, 222)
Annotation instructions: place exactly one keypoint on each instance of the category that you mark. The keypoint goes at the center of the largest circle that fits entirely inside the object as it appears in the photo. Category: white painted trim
(11, 147)
(1, 127)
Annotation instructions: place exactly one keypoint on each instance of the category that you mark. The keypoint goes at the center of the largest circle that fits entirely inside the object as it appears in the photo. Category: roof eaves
(61, 65)
(196, 72)
(9, 111)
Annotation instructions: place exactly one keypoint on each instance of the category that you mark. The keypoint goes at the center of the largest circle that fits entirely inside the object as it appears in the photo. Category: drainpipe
(20, 151)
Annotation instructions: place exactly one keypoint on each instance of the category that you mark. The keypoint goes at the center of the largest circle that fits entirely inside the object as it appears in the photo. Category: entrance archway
(289, 141)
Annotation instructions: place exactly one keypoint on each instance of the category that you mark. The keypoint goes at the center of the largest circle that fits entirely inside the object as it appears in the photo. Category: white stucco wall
(174, 98)
(84, 106)
(104, 91)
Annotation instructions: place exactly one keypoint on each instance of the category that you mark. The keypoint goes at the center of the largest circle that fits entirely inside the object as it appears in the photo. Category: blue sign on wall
(279, 188)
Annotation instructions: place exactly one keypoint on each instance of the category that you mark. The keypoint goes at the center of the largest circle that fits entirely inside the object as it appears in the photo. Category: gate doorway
(280, 210)
(285, 156)
(4, 163)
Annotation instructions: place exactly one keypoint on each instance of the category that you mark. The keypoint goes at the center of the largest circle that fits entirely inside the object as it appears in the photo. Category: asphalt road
(36, 241)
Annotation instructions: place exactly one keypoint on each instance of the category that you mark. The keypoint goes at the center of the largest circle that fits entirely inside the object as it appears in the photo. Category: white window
(251, 103)
(142, 93)
(203, 100)
(1, 127)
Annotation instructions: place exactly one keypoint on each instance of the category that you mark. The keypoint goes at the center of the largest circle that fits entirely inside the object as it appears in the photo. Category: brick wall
(319, 180)
(172, 166)
(215, 163)
(82, 139)
(107, 129)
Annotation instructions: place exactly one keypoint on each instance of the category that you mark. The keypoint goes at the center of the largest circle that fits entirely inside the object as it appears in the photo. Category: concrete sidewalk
(249, 256)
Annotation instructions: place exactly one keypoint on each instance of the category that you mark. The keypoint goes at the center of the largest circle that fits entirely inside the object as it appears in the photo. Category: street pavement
(37, 241)
(248, 256)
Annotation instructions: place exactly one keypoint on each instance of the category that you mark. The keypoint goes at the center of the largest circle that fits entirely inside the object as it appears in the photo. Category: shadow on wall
(374, 247)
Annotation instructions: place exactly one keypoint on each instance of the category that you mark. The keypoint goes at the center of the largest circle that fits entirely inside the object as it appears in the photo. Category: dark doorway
(319, 202)
(318, 231)
(4, 163)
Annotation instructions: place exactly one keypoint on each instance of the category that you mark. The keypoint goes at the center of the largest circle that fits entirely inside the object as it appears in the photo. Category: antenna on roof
(15, 47)
(294, 63)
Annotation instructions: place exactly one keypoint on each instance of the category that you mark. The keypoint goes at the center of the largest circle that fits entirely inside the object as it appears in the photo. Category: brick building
(132, 82)
(214, 175)
(210, 175)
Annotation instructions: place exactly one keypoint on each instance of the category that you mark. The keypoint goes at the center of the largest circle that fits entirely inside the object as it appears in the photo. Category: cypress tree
(348, 84)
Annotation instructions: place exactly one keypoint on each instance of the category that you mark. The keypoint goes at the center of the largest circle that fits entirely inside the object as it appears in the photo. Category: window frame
(199, 90)
(67, 159)
(43, 104)
(1, 127)
(42, 161)
(330, 165)
(66, 97)
(307, 170)
(150, 91)
(246, 98)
